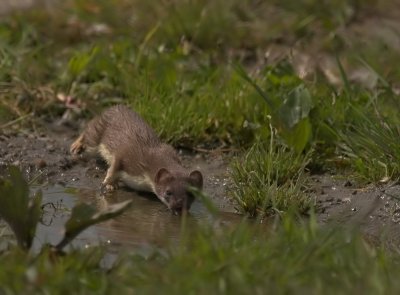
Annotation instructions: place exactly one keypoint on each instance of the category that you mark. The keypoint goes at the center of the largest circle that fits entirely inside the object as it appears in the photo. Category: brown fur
(137, 151)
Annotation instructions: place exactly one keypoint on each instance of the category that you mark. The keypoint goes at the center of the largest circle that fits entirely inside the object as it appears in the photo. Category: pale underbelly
(140, 182)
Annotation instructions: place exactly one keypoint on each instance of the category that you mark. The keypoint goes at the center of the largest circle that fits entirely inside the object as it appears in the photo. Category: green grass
(291, 258)
(373, 147)
(269, 179)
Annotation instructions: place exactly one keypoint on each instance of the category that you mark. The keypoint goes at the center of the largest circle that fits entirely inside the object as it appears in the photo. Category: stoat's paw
(76, 147)
(107, 187)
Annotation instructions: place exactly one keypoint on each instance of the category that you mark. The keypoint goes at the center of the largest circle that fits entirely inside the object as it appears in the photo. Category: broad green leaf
(84, 215)
(17, 209)
(299, 135)
(296, 107)
(290, 118)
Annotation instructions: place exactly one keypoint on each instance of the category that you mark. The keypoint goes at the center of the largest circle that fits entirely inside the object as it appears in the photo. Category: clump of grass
(213, 103)
(295, 257)
(270, 178)
(169, 69)
(372, 144)
(213, 106)
(46, 273)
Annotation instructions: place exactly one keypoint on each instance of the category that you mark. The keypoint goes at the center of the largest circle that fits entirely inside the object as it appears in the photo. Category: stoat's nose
(177, 206)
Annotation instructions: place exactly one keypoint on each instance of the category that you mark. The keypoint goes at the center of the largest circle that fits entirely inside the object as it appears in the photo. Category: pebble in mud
(50, 148)
(348, 183)
(40, 163)
(67, 163)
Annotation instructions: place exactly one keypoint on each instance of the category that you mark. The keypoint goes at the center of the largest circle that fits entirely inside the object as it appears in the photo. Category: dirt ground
(45, 159)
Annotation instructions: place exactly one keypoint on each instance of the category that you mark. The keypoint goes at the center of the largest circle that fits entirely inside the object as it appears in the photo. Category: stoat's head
(174, 191)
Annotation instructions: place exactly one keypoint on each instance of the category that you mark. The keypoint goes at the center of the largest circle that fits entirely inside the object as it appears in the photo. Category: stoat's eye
(168, 193)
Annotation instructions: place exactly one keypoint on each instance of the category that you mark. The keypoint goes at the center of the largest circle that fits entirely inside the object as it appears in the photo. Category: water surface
(147, 223)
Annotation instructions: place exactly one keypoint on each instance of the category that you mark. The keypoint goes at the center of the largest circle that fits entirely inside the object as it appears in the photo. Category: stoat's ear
(196, 179)
(162, 176)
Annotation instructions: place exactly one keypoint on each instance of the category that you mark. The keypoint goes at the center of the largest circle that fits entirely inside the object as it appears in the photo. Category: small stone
(348, 183)
(354, 209)
(50, 148)
(40, 163)
(67, 163)
(385, 179)
(354, 192)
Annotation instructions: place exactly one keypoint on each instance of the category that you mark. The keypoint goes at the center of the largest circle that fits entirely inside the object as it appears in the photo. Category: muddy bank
(45, 158)
(65, 180)
(374, 208)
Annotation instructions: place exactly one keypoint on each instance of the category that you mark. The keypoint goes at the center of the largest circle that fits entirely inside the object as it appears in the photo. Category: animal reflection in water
(147, 221)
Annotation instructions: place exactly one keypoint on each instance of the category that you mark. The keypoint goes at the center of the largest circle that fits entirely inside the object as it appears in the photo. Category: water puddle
(147, 224)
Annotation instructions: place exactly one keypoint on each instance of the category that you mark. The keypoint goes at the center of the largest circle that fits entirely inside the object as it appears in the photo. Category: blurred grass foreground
(292, 87)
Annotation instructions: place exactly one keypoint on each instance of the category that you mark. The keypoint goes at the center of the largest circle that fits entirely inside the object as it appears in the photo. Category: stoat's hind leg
(77, 146)
(90, 138)
(110, 182)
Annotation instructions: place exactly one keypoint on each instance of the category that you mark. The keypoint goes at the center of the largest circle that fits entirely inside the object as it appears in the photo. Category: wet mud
(65, 180)
(373, 208)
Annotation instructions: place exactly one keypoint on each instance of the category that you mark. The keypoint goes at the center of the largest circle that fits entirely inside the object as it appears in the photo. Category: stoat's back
(122, 127)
